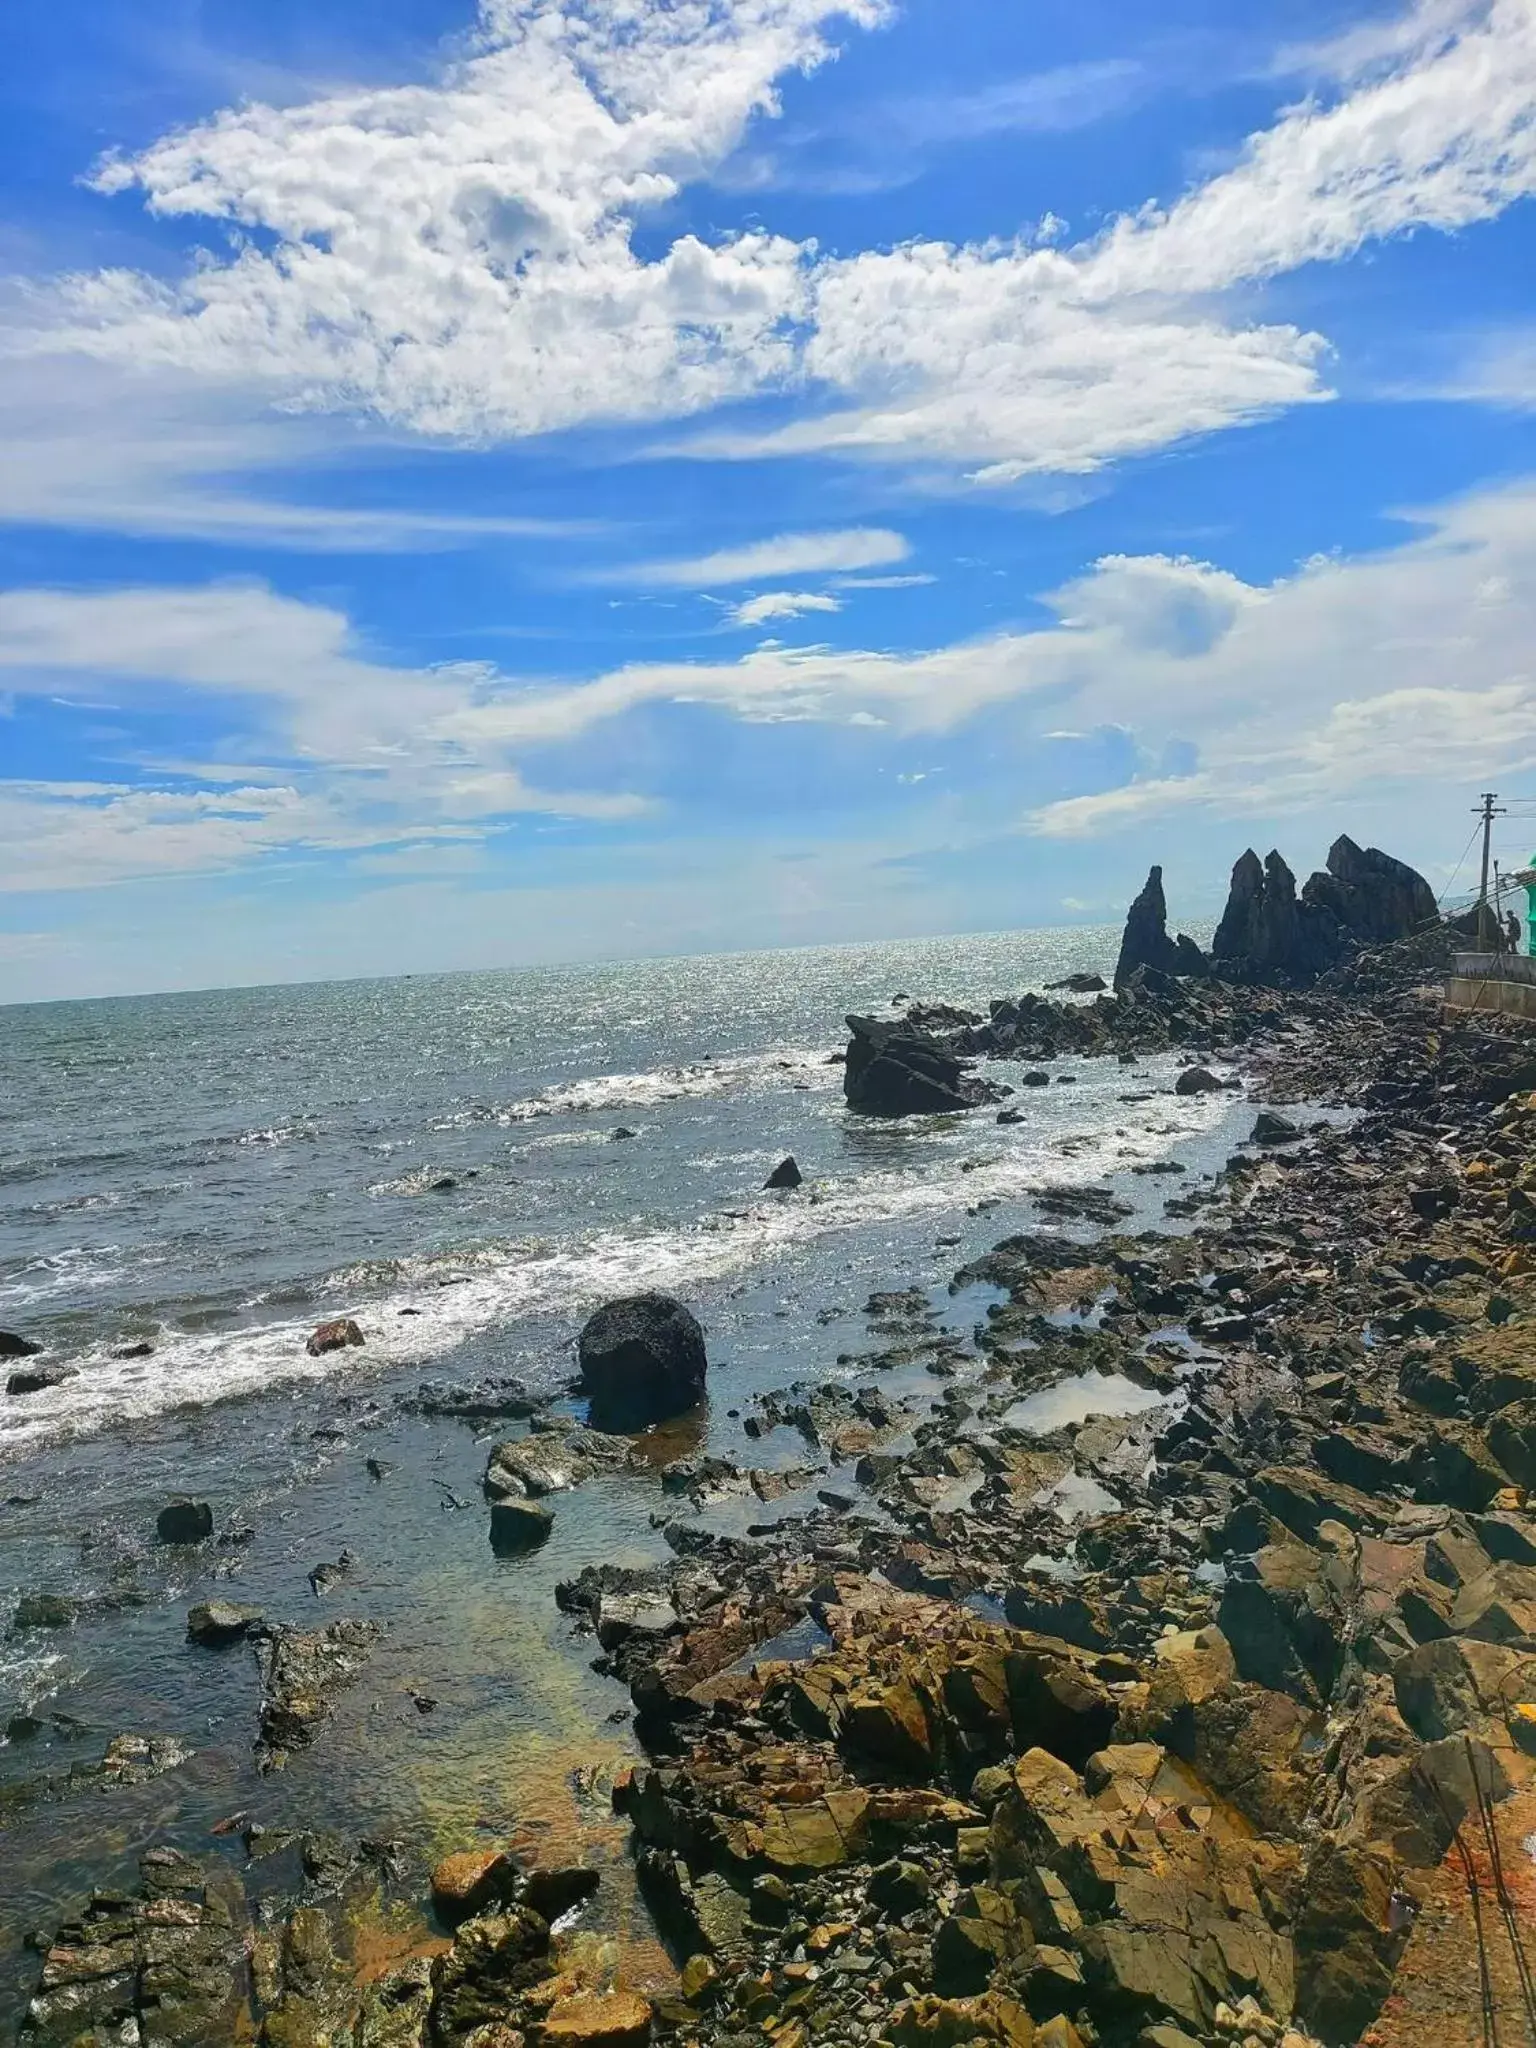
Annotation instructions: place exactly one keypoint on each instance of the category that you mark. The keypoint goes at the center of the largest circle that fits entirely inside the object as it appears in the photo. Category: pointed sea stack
(1146, 942)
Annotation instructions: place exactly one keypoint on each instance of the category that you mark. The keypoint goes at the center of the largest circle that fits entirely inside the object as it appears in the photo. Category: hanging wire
(1440, 899)
(1507, 1910)
(1490, 2018)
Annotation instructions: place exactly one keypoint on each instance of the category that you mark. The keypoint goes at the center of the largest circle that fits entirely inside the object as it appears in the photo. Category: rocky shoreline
(1155, 1663)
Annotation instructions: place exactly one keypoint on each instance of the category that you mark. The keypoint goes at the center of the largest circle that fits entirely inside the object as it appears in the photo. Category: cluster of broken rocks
(1209, 1717)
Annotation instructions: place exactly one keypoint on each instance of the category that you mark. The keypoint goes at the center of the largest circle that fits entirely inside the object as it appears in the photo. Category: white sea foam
(609, 1092)
(65, 1272)
(462, 1295)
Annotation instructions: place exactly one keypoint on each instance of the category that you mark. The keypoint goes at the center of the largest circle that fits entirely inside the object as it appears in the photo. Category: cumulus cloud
(785, 554)
(783, 604)
(459, 257)
(1368, 677)
(1349, 676)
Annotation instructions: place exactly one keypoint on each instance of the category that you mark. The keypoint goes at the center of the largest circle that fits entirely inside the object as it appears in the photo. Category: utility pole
(1488, 809)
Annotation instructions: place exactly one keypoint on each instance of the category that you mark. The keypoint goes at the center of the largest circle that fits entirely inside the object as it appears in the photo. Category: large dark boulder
(184, 1521)
(642, 1359)
(895, 1070)
(1375, 899)
(1146, 942)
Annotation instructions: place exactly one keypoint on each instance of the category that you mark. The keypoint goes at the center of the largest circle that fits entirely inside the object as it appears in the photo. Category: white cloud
(1351, 676)
(782, 604)
(366, 751)
(786, 554)
(882, 582)
(1380, 677)
(457, 257)
(128, 448)
(1022, 360)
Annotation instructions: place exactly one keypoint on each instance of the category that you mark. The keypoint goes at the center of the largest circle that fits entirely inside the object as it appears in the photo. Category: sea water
(440, 1157)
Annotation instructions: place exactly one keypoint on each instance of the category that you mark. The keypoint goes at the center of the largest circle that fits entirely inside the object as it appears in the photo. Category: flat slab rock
(301, 1670)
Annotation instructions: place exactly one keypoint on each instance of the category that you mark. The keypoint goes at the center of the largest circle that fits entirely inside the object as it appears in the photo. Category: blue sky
(601, 477)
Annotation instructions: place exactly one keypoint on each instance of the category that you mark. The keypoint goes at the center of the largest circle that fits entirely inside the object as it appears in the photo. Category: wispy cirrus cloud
(783, 554)
(110, 447)
(332, 751)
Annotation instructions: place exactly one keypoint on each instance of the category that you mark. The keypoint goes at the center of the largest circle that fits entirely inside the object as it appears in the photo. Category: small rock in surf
(36, 1379)
(333, 1336)
(785, 1175)
(1196, 1081)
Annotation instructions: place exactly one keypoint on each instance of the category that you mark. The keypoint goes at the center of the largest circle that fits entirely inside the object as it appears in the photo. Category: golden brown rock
(597, 2019)
(467, 1882)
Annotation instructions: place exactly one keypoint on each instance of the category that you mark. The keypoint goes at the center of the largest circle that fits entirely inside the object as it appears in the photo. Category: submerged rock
(300, 1671)
(483, 1400)
(37, 1379)
(44, 1610)
(184, 1521)
(518, 1524)
(217, 1622)
(642, 1360)
(597, 2019)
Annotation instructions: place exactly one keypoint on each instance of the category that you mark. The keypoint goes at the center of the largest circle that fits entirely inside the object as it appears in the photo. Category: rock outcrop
(1271, 935)
(1362, 899)
(896, 1069)
(1146, 942)
(642, 1359)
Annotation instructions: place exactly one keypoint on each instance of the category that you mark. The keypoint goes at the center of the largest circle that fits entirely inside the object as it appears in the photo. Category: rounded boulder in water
(184, 1521)
(785, 1175)
(1196, 1081)
(642, 1359)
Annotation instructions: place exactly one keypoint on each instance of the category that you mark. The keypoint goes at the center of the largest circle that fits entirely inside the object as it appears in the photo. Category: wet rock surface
(642, 1360)
(905, 1069)
(1140, 1655)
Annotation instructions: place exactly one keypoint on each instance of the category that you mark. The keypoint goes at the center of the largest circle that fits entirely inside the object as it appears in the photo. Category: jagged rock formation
(1272, 935)
(1146, 942)
(1267, 933)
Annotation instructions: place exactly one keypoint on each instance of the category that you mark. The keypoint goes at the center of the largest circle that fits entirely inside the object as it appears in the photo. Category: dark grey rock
(642, 1359)
(184, 1521)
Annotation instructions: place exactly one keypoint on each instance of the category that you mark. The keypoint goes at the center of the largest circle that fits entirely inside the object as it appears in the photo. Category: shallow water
(215, 1173)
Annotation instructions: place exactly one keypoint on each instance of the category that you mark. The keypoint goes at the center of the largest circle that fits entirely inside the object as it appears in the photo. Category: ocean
(440, 1157)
